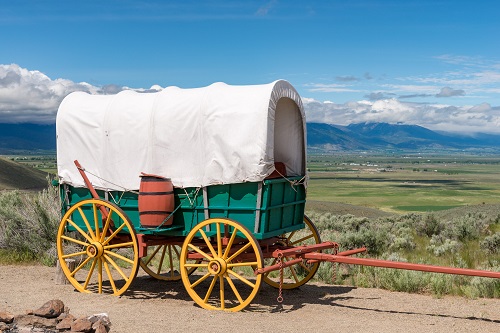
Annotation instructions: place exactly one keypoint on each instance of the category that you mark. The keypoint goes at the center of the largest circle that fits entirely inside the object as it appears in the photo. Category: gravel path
(154, 306)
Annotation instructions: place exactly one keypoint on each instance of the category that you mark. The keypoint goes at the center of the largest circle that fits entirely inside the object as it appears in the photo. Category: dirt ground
(155, 306)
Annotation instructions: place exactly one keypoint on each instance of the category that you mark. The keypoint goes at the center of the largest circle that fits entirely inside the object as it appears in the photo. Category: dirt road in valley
(155, 306)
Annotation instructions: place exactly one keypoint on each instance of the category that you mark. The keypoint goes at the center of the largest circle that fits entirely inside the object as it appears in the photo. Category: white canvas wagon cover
(219, 134)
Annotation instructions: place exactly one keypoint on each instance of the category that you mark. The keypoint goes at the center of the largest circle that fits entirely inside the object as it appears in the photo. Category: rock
(6, 317)
(99, 327)
(35, 321)
(51, 309)
(3, 326)
(103, 317)
(24, 330)
(81, 325)
(65, 324)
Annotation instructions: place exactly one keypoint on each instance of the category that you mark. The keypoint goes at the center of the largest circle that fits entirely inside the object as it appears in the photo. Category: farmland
(405, 183)
(384, 183)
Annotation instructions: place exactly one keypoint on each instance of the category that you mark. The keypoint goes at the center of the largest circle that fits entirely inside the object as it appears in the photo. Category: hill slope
(17, 176)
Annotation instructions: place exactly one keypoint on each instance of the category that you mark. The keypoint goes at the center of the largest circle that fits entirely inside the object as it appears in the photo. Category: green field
(400, 184)
(394, 184)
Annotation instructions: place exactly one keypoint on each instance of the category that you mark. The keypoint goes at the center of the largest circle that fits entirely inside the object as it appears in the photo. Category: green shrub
(491, 244)
(468, 227)
(28, 224)
(458, 242)
(429, 226)
(440, 246)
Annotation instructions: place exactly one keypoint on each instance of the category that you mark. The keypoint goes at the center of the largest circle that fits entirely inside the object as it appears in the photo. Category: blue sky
(430, 63)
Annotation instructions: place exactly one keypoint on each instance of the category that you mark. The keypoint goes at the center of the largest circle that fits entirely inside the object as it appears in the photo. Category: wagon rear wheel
(227, 253)
(103, 247)
(296, 275)
(163, 262)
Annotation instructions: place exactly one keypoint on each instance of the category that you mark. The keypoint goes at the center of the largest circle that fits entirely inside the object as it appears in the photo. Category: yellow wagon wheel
(98, 252)
(162, 262)
(226, 252)
(296, 275)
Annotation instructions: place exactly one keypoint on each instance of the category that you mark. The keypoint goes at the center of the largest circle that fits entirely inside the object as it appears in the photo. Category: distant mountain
(320, 137)
(383, 136)
(27, 137)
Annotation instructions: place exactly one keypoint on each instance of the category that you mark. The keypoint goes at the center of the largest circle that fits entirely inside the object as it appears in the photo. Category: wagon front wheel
(97, 247)
(224, 253)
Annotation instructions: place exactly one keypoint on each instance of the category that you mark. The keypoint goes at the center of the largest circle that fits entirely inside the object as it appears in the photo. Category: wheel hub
(95, 250)
(217, 266)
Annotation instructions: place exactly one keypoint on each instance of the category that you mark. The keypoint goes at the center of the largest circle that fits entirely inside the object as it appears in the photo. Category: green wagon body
(268, 208)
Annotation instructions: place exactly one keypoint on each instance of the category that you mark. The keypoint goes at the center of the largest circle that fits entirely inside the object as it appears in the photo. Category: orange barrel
(156, 200)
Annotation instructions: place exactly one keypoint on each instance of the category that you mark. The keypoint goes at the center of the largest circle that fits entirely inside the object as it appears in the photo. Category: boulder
(81, 325)
(51, 309)
(34, 321)
(6, 317)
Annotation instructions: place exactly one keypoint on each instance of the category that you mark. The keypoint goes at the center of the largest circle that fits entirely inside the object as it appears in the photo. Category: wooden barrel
(156, 201)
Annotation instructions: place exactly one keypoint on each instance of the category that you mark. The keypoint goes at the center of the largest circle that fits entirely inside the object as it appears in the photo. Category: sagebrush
(28, 225)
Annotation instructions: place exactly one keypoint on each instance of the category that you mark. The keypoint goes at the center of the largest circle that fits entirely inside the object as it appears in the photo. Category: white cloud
(31, 96)
(466, 119)
(449, 92)
(319, 87)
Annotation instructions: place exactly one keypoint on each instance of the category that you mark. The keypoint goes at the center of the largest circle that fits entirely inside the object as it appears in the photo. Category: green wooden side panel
(281, 206)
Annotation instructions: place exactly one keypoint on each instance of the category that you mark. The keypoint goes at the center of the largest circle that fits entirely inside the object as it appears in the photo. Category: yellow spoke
(176, 251)
(112, 262)
(292, 270)
(289, 238)
(210, 289)
(207, 241)
(219, 241)
(160, 264)
(242, 264)
(200, 280)
(233, 287)
(106, 266)
(241, 278)
(96, 223)
(73, 254)
(200, 251)
(302, 239)
(89, 228)
(116, 255)
(195, 265)
(119, 245)
(170, 260)
(114, 234)
(305, 267)
(105, 228)
(153, 255)
(89, 275)
(222, 297)
(83, 233)
(230, 244)
(272, 263)
(73, 240)
(99, 274)
(240, 251)
(80, 266)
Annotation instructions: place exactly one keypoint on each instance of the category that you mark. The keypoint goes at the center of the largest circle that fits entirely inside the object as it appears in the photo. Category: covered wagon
(204, 185)
(235, 157)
